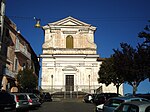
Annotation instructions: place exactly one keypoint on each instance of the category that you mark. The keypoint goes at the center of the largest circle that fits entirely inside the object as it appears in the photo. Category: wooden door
(69, 82)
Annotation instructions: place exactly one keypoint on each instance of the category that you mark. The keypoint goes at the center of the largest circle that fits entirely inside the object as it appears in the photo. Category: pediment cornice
(68, 22)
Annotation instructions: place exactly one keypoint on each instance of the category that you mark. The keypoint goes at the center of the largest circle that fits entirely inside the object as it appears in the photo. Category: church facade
(69, 59)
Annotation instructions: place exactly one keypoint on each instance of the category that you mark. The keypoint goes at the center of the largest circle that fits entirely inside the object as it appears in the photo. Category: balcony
(9, 73)
(22, 51)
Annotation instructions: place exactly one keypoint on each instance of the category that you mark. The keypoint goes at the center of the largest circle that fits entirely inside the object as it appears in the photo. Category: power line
(89, 19)
(21, 17)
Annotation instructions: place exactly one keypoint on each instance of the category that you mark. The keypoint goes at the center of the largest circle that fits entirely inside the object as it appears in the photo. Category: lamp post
(37, 25)
(2, 15)
(89, 83)
(52, 83)
(40, 77)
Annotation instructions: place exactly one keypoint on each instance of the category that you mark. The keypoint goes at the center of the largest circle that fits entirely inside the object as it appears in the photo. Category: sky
(116, 21)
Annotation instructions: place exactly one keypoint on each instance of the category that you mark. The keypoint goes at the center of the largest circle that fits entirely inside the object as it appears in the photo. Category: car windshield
(128, 108)
(22, 97)
(98, 96)
(47, 94)
(32, 96)
(113, 103)
(140, 99)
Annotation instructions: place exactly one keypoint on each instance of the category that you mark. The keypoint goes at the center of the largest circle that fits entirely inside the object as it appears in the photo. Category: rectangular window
(17, 43)
(16, 65)
(23, 66)
(7, 32)
(4, 49)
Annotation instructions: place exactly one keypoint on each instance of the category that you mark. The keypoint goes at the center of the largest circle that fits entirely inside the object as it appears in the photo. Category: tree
(128, 63)
(146, 49)
(108, 74)
(145, 34)
(27, 79)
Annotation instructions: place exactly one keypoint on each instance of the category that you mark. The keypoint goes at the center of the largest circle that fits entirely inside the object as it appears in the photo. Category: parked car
(21, 100)
(7, 102)
(111, 104)
(103, 97)
(47, 96)
(33, 100)
(134, 106)
(147, 96)
(88, 98)
(39, 95)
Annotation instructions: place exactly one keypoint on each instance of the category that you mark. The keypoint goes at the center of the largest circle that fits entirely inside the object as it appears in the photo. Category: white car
(111, 104)
(134, 106)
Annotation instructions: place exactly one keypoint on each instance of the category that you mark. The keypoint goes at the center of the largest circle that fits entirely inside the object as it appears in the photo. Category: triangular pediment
(69, 21)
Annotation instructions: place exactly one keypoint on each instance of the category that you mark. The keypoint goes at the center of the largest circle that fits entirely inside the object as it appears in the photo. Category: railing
(22, 49)
(79, 91)
(62, 88)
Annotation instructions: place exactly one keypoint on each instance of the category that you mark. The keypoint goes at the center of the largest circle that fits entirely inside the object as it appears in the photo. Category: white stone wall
(79, 67)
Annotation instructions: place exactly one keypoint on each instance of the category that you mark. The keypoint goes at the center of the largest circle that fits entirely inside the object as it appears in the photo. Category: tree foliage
(145, 34)
(129, 63)
(145, 52)
(108, 74)
(27, 79)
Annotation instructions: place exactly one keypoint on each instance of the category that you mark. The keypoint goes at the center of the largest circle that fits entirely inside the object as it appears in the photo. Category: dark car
(7, 102)
(22, 104)
(41, 99)
(47, 96)
(103, 97)
(147, 96)
(88, 98)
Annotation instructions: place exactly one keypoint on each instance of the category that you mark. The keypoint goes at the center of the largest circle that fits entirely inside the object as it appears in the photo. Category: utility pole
(89, 84)
(2, 15)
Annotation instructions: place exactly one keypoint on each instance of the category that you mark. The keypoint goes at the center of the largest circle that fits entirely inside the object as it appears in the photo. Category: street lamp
(37, 25)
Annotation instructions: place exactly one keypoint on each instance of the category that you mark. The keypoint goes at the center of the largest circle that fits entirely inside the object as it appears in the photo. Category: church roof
(69, 21)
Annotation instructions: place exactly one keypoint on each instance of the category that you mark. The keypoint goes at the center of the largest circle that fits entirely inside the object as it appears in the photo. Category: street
(65, 106)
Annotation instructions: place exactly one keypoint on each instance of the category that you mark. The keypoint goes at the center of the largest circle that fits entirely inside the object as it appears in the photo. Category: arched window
(69, 41)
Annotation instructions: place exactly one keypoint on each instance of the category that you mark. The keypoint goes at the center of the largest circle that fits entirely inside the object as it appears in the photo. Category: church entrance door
(69, 82)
